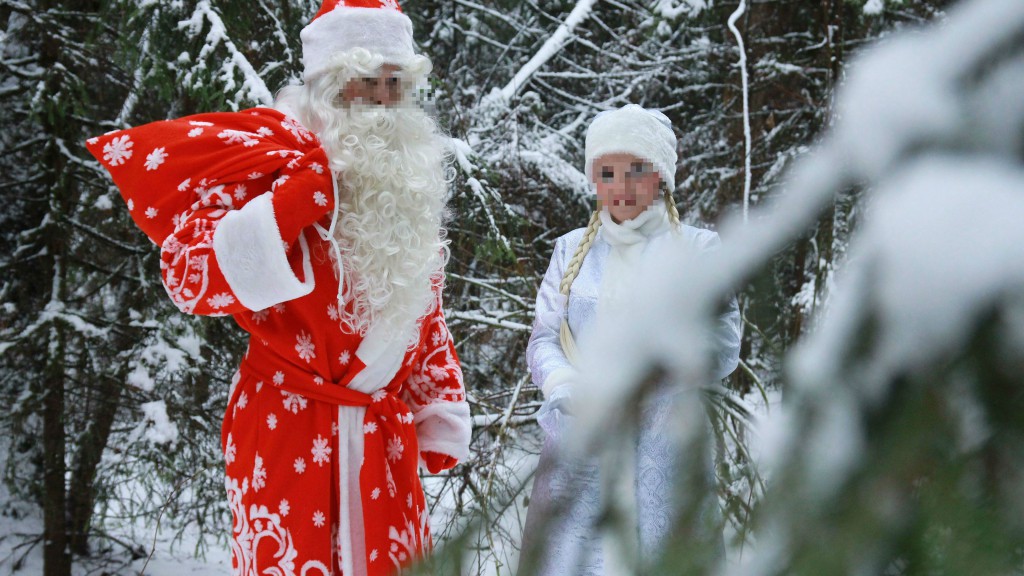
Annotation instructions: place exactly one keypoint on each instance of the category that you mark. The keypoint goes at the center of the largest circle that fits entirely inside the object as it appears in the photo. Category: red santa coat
(324, 429)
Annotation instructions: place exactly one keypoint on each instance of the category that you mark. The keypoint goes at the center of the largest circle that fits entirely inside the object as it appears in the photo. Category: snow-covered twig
(253, 87)
(481, 319)
(550, 47)
(746, 104)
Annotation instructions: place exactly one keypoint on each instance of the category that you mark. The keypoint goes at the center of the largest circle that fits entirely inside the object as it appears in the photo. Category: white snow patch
(873, 7)
(161, 430)
(103, 202)
(140, 378)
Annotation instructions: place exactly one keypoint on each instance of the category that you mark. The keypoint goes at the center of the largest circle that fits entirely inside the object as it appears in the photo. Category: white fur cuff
(445, 428)
(251, 254)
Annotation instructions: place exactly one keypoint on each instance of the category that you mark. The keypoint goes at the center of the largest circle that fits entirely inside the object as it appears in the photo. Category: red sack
(168, 168)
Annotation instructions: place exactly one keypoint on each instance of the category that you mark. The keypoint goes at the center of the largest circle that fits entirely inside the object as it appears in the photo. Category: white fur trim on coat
(633, 130)
(445, 428)
(251, 254)
(380, 30)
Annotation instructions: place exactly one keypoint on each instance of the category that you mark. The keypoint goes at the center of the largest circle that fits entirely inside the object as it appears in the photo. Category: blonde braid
(571, 271)
(673, 212)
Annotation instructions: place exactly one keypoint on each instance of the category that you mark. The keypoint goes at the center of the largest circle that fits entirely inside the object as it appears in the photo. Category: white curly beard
(391, 204)
(390, 164)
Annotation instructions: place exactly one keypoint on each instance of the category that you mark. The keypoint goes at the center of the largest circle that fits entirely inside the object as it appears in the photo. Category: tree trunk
(56, 554)
(90, 451)
(56, 557)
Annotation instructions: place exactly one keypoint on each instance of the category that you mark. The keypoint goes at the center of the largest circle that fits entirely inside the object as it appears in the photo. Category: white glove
(558, 390)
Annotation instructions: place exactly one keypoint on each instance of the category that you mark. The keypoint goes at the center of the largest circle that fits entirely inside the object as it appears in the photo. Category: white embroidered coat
(572, 491)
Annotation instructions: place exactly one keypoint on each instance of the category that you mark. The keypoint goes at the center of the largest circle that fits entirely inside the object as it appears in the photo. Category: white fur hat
(341, 25)
(633, 130)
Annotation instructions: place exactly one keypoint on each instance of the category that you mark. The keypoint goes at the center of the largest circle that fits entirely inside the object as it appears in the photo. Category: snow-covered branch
(562, 35)
(253, 88)
(746, 103)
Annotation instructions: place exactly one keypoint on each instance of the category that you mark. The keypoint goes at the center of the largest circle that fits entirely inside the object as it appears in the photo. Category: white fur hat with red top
(341, 25)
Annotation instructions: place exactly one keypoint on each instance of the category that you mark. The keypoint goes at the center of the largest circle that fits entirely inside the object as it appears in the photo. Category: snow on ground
(167, 559)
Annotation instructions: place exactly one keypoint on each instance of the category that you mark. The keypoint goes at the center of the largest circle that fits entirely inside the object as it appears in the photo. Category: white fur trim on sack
(250, 252)
(444, 427)
(633, 130)
(379, 30)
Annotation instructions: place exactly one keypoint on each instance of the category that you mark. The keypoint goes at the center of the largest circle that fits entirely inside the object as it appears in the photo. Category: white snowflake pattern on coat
(294, 403)
(403, 544)
(229, 451)
(257, 526)
(259, 474)
(395, 448)
(305, 346)
(321, 451)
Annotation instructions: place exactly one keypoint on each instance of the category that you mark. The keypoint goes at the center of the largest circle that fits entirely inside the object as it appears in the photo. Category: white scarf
(627, 241)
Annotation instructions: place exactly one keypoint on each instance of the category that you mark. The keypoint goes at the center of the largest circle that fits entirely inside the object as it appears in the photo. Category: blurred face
(384, 89)
(626, 185)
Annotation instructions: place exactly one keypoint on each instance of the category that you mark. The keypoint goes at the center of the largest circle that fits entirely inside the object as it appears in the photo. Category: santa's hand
(303, 194)
(437, 462)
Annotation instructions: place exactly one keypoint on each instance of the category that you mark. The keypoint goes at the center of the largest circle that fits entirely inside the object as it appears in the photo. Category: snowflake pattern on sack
(118, 150)
(221, 300)
(155, 158)
(246, 139)
(298, 130)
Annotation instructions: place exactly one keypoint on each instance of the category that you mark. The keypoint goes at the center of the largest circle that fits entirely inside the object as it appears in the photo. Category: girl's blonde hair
(576, 262)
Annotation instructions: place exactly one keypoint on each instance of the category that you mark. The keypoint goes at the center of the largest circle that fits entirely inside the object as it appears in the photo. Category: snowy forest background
(898, 444)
